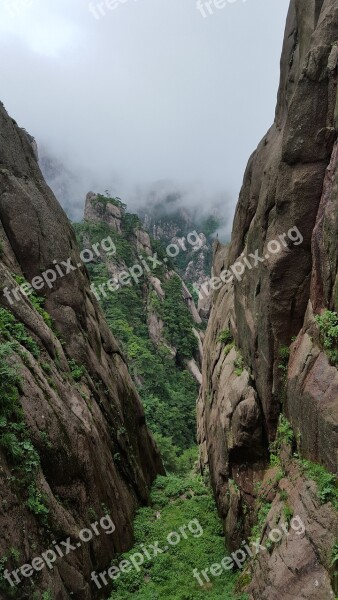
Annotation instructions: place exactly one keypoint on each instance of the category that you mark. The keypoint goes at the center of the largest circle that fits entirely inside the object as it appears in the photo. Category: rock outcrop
(81, 418)
(137, 243)
(284, 255)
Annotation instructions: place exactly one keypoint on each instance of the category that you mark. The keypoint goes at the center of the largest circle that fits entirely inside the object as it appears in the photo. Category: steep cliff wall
(74, 444)
(266, 314)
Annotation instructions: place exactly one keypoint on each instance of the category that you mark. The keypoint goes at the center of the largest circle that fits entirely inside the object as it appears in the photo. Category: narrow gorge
(162, 385)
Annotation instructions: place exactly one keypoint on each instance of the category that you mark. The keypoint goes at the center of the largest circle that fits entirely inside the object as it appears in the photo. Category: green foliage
(130, 222)
(239, 364)
(284, 355)
(14, 435)
(287, 513)
(170, 574)
(228, 348)
(77, 372)
(210, 225)
(96, 232)
(168, 391)
(36, 503)
(11, 329)
(328, 327)
(326, 482)
(284, 436)
(104, 200)
(283, 495)
(174, 460)
(177, 319)
(37, 301)
(225, 337)
(263, 511)
(274, 460)
(169, 452)
(334, 554)
(13, 556)
(45, 439)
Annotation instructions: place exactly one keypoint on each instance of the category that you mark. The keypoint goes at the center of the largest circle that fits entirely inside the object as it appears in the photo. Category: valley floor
(180, 532)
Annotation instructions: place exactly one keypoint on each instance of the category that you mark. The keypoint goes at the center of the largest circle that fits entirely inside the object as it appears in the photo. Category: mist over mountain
(150, 92)
(159, 199)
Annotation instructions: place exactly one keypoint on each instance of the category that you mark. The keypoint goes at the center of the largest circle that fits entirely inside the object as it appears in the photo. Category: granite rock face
(96, 453)
(287, 216)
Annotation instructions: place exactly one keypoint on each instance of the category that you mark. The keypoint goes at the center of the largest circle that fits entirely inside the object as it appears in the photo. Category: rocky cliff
(74, 445)
(152, 314)
(272, 340)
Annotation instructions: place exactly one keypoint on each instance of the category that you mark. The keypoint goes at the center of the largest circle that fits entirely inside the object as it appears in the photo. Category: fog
(152, 95)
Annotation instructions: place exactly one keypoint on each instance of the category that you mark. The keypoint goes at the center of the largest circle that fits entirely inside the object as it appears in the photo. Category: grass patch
(179, 500)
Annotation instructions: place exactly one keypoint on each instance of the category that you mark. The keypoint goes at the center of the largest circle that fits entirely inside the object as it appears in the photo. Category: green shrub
(239, 364)
(262, 514)
(14, 436)
(228, 348)
(178, 322)
(37, 301)
(11, 329)
(225, 337)
(287, 513)
(326, 481)
(328, 327)
(36, 503)
(77, 372)
(284, 436)
(284, 355)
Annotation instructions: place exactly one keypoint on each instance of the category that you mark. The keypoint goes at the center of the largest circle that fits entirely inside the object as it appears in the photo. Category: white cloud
(151, 91)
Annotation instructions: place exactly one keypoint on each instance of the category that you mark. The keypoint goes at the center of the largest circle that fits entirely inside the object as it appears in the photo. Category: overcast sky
(150, 91)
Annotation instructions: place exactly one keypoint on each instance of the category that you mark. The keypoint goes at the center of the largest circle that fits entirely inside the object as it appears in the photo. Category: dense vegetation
(168, 391)
(170, 219)
(176, 502)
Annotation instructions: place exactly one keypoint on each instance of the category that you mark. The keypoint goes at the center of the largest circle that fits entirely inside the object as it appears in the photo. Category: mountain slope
(153, 315)
(266, 352)
(68, 404)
